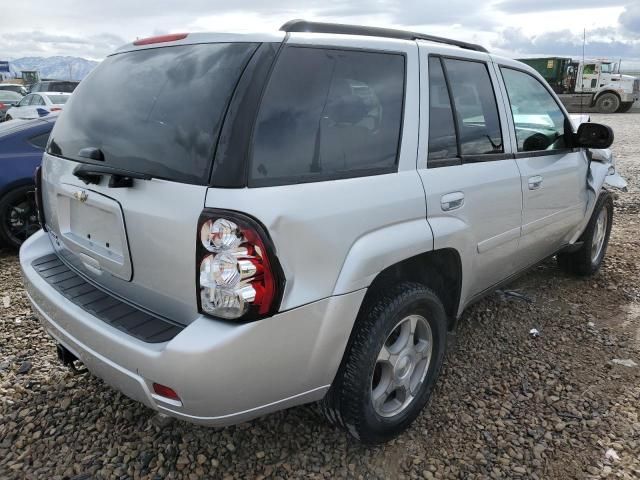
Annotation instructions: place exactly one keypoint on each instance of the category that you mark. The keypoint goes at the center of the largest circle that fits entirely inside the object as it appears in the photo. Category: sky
(515, 28)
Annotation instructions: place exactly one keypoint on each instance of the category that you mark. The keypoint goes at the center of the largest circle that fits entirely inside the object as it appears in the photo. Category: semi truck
(589, 83)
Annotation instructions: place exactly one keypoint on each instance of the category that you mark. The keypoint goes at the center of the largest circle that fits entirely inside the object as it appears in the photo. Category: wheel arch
(9, 187)
(440, 270)
(602, 92)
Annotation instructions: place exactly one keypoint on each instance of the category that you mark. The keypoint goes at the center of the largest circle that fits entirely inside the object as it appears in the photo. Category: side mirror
(594, 135)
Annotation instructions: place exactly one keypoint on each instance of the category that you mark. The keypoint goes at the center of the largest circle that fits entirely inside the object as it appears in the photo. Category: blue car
(22, 143)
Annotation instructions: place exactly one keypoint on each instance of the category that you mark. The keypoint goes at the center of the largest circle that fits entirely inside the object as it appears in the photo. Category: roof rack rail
(340, 28)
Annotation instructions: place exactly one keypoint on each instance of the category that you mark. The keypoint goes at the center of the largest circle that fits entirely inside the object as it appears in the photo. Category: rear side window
(442, 131)
(476, 108)
(329, 114)
(156, 111)
(464, 122)
(40, 141)
(59, 99)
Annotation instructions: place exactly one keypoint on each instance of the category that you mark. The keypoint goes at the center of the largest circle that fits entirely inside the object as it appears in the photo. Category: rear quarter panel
(334, 237)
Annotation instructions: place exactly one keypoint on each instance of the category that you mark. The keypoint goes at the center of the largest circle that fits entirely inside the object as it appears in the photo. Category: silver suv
(236, 224)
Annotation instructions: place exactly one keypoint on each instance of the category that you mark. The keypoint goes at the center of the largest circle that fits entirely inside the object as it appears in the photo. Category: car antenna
(584, 40)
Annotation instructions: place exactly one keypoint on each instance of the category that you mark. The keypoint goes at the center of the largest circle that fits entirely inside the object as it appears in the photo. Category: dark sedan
(7, 100)
(22, 143)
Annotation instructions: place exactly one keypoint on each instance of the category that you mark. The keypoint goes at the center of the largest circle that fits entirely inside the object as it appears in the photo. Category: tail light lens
(55, 109)
(239, 276)
(2, 105)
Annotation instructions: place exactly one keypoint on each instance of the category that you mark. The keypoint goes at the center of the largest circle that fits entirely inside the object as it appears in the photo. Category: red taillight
(166, 392)
(239, 277)
(172, 37)
(55, 109)
(2, 105)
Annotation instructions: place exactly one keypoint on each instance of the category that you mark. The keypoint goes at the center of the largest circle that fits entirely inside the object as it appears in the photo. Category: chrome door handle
(452, 201)
(535, 182)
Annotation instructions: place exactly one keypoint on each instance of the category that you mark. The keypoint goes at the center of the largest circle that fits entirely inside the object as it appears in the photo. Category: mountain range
(59, 68)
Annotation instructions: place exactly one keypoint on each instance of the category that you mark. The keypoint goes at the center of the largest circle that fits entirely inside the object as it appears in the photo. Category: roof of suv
(307, 27)
(294, 26)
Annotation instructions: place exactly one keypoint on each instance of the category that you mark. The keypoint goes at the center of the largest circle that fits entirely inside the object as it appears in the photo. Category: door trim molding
(498, 240)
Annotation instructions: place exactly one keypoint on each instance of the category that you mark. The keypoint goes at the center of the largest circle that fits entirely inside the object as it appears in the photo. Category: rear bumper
(223, 373)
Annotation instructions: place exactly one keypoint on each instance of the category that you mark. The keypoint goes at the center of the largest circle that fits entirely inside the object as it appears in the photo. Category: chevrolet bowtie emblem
(81, 195)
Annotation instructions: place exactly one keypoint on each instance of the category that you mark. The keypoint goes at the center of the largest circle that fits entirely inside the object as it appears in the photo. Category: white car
(36, 105)
(14, 87)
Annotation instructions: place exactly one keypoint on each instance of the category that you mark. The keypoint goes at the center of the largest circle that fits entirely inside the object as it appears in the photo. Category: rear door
(40, 106)
(152, 116)
(554, 175)
(472, 183)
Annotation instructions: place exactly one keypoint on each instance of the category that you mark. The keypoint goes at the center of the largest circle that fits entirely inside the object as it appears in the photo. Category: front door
(472, 183)
(587, 78)
(553, 175)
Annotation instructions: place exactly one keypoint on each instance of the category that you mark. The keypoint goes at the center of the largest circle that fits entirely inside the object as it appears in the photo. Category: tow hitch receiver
(67, 358)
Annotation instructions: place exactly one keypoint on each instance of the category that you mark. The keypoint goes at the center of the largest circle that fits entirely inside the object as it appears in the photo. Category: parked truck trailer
(590, 83)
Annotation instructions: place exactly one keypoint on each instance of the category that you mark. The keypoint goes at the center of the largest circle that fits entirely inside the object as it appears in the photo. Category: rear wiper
(119, 178)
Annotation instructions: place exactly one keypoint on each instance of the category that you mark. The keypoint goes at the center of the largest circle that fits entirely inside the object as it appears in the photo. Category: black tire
(7, 118)
(19, 201)
(348, 404)
(625, 107)
(582, 261)
(608, 103)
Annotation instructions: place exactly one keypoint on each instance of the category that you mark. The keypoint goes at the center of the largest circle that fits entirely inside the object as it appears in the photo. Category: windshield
(156, 111)
(58, 99)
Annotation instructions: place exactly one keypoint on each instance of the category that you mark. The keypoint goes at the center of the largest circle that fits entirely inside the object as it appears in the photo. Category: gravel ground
(508, 405)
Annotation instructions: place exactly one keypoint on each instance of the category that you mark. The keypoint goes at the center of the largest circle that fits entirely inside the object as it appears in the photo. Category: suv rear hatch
(126, 173)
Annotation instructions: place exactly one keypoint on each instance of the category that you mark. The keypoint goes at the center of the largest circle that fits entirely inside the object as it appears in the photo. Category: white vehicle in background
(36, 105)
(588, 83)
(14, 87)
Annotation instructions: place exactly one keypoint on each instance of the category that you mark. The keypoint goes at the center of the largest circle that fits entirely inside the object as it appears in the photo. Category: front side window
(589, 69)
(539, 121)
(328, 114)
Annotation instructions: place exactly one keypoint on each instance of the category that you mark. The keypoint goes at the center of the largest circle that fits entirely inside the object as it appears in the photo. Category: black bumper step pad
(102, 305)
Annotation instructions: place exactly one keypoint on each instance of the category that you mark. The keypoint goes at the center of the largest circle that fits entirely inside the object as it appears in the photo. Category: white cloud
(513, 27)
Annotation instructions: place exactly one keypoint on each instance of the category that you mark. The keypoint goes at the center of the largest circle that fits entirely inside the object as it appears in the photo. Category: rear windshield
(12, 88)
(59, 99)
(156, 111)
(67, 87)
